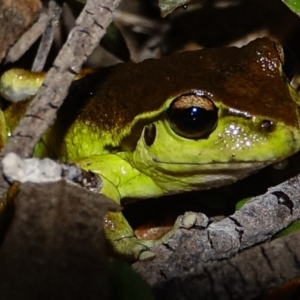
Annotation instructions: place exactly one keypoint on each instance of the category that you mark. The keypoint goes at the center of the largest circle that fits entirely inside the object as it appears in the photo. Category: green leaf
(167, 6)
(295, 226)
(241, 203)
(293, 5)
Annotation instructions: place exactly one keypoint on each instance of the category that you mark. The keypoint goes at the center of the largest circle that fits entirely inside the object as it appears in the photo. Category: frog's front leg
(117, 229)
(122, 236)
(119, 232)
(124, 242)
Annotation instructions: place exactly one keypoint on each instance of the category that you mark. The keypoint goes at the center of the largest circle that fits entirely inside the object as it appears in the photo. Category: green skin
(102, 125)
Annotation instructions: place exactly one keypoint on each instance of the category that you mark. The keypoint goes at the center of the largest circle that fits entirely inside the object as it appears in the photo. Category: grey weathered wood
(54, 245)
(188, 252)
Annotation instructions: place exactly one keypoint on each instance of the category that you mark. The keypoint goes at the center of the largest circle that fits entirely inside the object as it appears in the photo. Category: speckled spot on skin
(237, 137)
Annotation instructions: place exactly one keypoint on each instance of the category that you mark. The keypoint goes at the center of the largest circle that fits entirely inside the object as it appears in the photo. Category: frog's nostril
(267, 125)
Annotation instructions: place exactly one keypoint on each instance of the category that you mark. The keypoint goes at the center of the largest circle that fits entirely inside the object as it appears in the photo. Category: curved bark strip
(188, 252)
(245, 276)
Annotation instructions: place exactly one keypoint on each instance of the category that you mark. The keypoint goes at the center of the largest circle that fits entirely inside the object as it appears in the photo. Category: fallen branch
(245, 276)
(257, 221)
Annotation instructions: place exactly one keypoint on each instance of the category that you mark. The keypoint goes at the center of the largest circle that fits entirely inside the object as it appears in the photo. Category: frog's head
(235, 115)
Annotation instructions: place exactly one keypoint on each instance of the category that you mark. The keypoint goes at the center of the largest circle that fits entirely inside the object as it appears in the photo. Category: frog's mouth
(212, 166)
(194, 176)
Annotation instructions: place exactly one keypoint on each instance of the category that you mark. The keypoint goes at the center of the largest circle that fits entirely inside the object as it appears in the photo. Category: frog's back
(70, 137)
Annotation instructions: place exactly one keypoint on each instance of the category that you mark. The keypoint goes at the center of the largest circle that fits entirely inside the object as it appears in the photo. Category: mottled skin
(102, 125)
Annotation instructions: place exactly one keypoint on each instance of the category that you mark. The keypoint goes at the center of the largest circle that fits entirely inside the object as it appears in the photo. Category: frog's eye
(193, 116)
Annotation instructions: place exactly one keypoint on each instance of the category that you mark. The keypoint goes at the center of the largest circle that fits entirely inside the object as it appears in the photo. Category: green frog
(188, 121)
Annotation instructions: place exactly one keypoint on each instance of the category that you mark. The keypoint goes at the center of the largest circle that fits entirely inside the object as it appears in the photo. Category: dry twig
(54, 12)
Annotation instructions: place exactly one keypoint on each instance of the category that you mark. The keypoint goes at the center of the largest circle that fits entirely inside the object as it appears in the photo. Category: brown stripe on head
(246, 79)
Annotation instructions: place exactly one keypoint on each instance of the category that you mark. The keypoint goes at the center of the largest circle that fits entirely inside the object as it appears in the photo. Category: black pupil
(193, 122)
(193, 119)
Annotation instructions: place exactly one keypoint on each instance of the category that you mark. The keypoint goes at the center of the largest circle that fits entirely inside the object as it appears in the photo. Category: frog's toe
(191, 219)
(188, 220)
(146, 255)
(134, 248)
(141, 251)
